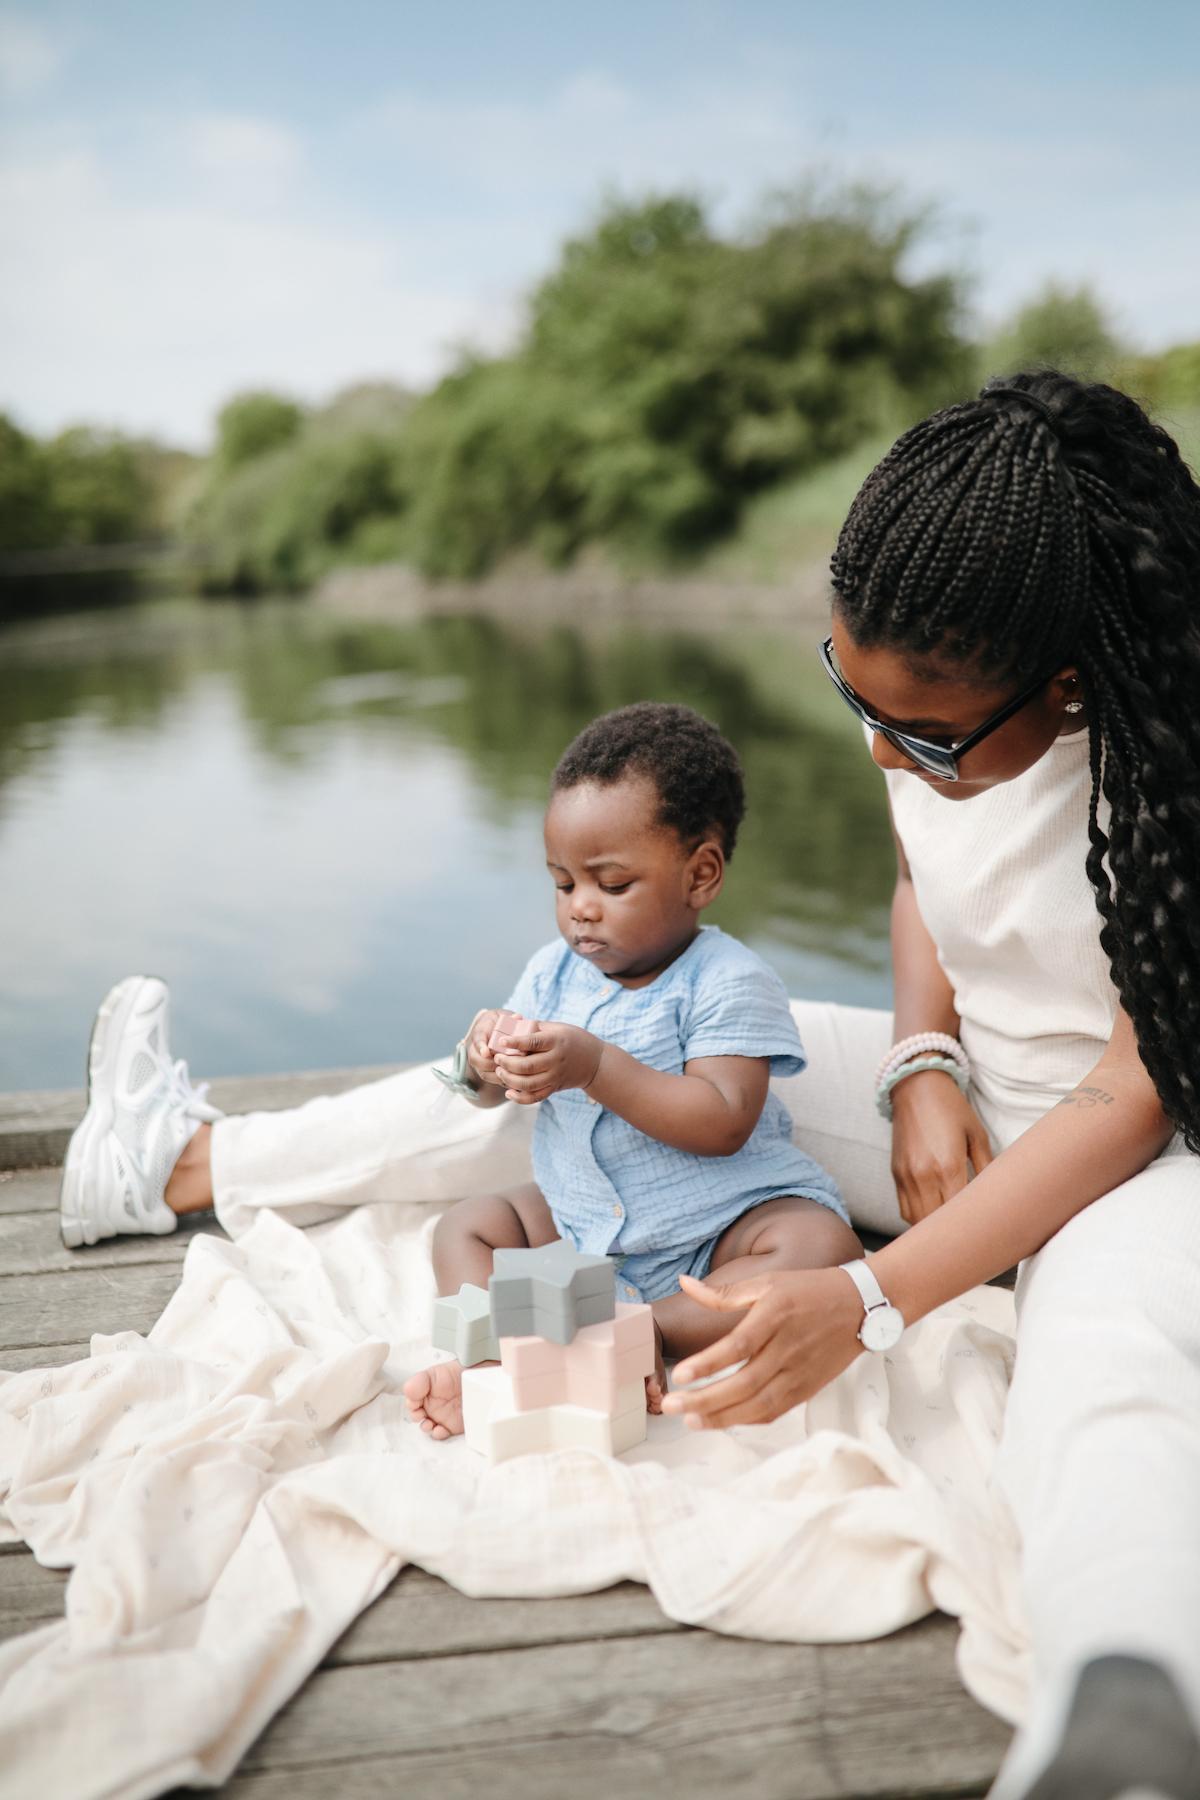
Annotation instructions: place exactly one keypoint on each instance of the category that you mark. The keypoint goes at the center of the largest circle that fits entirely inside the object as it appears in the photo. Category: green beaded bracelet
(883, 1094)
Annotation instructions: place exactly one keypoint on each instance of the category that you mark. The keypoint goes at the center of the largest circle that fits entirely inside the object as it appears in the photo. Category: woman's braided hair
(1022, 532)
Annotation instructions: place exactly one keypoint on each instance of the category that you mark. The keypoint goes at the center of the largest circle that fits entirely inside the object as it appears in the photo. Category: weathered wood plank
(41, 1356)
(418, 1617)
(29, 1595)
(52, 1309)
(689, 1713)
(30, 1245)
(35, 1126)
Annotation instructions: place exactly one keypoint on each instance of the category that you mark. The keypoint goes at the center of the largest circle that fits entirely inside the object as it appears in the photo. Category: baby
(649, 1040)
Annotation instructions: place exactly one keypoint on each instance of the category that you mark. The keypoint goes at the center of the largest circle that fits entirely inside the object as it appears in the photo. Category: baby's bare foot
(656, 1384)
(435, 1399)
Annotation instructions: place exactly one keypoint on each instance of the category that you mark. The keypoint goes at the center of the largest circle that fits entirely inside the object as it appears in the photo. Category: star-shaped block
(550, 1292)
(592, 1370)
(462, 1323)
(495, 1429)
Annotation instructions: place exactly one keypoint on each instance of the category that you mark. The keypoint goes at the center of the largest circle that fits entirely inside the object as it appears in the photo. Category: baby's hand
(479, 1044)
(537, 1059)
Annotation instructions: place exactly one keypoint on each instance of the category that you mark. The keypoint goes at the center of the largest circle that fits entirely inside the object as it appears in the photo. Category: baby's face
(629, 892)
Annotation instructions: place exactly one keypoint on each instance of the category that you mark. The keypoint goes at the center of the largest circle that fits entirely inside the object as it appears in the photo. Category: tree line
(667, 372)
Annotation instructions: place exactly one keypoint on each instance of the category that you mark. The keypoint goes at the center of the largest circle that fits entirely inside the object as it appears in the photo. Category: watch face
(882, 1328)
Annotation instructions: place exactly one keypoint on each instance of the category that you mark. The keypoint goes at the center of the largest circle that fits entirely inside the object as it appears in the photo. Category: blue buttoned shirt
(612, 1189)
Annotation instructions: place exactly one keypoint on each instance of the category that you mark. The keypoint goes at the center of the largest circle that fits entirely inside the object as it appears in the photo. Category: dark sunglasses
(936, 759)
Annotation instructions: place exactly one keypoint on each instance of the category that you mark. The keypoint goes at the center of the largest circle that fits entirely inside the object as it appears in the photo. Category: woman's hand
(540, 1059)
(936, 1134)
(800, 1331)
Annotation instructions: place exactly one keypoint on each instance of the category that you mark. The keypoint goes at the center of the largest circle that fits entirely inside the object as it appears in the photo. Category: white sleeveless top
(1002, 888)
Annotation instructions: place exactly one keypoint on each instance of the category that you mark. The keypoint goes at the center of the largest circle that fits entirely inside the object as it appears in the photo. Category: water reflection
(327, 834)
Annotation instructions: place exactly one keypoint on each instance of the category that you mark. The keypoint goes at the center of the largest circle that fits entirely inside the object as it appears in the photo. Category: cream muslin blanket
(232, 1490)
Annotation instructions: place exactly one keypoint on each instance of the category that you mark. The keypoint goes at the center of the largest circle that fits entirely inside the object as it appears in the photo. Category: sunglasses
(936, 759)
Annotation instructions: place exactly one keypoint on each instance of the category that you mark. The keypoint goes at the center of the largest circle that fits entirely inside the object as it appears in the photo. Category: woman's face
(946, 704)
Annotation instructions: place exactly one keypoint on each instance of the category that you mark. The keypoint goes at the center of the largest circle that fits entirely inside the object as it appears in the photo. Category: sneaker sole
(115, 1009)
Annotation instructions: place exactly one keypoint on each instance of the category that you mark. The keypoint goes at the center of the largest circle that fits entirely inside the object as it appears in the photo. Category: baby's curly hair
(696, 771)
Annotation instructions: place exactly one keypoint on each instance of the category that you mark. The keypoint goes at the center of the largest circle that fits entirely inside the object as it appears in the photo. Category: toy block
(550, 1292)
(590, 1371)
(505, 1025)
(496, 1430)
(462, 1323)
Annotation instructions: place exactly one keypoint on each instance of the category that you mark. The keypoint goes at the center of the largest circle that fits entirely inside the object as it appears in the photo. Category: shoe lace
(188, 1095)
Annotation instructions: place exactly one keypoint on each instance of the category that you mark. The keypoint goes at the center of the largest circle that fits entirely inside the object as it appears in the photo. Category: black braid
(1024, 535)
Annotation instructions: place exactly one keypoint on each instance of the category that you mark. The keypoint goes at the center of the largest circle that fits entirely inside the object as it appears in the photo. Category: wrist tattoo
(1087, 1097)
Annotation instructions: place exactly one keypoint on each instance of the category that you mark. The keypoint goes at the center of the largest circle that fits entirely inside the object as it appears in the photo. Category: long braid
(1019, 543)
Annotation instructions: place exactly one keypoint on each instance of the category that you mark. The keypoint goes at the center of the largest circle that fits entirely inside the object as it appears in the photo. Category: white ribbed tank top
(1002, 888)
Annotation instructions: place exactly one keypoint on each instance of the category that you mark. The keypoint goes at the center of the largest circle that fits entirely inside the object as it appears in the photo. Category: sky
(200, 196)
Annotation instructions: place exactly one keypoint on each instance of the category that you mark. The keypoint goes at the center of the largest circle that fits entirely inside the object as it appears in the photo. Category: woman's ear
(1066, 690)
(705, 874)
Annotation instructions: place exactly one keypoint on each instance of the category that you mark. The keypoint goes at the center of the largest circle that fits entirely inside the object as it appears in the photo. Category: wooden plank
(690, 1713)
(35, 1126)
(30, 1245)
(28, 1190)
(39, 1310)
(421, 1616)
(29, 1595)
(40, 1356)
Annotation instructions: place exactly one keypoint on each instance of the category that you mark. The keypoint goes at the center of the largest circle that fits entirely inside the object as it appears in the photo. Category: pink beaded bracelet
(922, 1043)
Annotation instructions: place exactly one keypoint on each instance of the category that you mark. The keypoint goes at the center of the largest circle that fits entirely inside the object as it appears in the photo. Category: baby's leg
(780, 1234)
(464, 1241)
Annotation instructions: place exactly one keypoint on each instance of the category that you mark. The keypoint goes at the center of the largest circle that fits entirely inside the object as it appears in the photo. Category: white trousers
(1100, 1462)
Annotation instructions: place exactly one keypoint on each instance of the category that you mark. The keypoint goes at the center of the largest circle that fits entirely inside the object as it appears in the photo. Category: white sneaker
(142, 1112)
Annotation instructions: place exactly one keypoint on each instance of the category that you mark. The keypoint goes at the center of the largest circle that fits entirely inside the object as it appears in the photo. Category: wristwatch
(462, 1079)
(883, 1323)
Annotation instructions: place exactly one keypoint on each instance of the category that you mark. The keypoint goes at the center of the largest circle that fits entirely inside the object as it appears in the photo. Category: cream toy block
(462, 1323)
(496, 1430)
(550, 1292)
(590, 1371)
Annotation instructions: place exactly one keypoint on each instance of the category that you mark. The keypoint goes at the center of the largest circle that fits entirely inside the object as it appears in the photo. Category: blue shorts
(653, 1274)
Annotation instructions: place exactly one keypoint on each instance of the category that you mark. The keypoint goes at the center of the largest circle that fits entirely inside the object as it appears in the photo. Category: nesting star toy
(573, 1363)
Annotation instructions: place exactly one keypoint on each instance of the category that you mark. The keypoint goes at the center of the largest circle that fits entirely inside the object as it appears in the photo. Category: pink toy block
(592, 1370)
(495, 1429)
(507, 1023)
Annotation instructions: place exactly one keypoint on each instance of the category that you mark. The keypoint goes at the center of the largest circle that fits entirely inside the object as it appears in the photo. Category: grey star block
(462, 1323)
(550, 1292)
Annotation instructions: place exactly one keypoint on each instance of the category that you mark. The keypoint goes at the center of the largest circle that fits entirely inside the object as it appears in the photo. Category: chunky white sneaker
(142, 1112)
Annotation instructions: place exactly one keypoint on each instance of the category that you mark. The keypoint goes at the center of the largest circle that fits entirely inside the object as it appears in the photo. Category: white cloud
(233, 253)
(29, 56)
(256, 158)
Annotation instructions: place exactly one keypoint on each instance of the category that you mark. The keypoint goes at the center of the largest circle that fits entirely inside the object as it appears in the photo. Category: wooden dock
(433, 1694)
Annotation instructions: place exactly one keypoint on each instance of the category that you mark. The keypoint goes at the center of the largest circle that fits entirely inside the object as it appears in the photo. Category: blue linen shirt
(612, 1189)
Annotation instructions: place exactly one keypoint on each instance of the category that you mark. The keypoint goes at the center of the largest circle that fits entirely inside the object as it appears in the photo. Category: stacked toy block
(573, 1362)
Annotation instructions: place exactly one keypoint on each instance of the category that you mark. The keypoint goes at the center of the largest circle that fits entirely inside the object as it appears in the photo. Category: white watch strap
(869, 1289)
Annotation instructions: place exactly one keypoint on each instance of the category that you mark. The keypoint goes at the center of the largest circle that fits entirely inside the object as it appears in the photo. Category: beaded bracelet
(920, 1044)
(947, 1064)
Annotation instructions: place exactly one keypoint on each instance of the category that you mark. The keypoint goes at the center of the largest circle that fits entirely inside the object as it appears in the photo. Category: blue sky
(200, 197)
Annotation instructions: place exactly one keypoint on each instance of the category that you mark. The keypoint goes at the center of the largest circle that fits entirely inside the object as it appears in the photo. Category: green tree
(98, 487)
(251, 425)
(27, 519)
(1060, 328)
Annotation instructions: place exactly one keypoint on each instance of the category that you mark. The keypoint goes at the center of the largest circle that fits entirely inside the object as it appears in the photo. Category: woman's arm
(709, 1110)
(800, 1329)
(938, 1139)
(1104, 1131)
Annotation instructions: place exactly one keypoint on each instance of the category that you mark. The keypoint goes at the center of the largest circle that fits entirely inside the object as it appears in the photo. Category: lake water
(326, 834)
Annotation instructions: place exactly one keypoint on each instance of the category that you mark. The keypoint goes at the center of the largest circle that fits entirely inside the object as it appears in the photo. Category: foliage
(1060, 328)
(81, 488)
(667, 374)
(251, 425)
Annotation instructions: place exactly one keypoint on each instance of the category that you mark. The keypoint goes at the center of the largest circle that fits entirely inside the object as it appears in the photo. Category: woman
(1015, 625)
